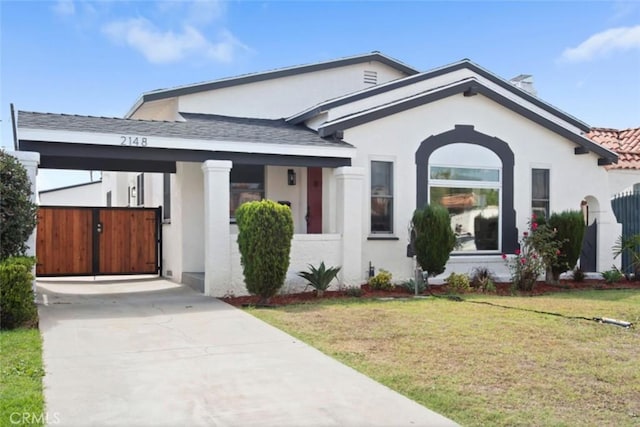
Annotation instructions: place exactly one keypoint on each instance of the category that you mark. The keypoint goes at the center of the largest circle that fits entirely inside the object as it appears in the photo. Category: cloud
(64, 7)
(161, 47)
(604, 43)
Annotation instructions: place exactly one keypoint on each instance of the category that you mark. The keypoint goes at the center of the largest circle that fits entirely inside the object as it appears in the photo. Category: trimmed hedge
(17, 307)
(265, 230)
(434, 239)
(569, 226)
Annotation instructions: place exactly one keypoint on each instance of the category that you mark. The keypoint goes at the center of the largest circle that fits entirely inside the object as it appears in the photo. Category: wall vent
(371, 77)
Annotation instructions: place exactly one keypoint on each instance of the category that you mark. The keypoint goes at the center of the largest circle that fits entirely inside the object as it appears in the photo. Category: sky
(97, 57)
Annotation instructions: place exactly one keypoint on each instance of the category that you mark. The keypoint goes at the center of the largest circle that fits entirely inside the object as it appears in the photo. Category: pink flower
(523, 261)
(534, 256)
(534, 226)
(558, 252)
(525, 234)
(504, 256)
(517, 252)
(534, 216)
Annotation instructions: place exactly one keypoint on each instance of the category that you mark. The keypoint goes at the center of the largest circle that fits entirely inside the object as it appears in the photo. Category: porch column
(349, 198)
(217, 241)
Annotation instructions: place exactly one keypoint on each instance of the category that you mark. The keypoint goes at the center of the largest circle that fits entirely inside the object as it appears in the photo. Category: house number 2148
(137, 141)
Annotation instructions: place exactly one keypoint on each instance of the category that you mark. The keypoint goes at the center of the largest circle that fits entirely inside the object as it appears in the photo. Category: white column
(217, 241)
(349, 205)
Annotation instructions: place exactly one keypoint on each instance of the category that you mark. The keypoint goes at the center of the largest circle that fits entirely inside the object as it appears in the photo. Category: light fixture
(291, 177)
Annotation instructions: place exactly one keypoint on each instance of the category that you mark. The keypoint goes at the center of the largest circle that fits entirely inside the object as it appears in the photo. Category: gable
(278, 93)
(383, 105)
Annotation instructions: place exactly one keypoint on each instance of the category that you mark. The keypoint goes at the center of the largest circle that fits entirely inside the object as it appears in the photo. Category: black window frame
(388, 196)
(540, 197)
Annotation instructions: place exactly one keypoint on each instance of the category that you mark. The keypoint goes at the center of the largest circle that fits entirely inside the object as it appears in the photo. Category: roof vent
(370, 77)
(524, 82)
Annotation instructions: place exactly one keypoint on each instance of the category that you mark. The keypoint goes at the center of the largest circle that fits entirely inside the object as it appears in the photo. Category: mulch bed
(310, 297)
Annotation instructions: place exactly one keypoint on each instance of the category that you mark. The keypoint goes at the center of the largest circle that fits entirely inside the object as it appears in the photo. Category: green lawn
(484, 365)
(21, 398)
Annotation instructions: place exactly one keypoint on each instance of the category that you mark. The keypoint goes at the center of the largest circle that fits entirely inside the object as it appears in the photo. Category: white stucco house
(353, 145)
(84, 194)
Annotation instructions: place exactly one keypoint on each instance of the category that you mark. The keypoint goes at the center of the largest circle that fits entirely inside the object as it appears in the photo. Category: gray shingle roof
(196, 126)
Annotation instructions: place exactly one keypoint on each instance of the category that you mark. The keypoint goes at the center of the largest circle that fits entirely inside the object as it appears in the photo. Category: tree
(17, 211)
(434, 239)
(265, 230)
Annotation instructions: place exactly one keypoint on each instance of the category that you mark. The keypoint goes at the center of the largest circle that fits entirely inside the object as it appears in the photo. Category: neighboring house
(353, 145)
(86, 194)
(624, 175)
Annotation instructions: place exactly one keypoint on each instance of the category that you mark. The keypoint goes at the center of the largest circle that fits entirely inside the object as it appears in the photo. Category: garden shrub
(17, 307)
(612, 276)
(569, 230)
(458, 283)
(353, 291)
(631, 246)
(265, 230)
(483, 279)
(538, 249)
(434, 239)
(578, 275)
(410, 285)
(17, 211)
(381, 281)
(320, 278)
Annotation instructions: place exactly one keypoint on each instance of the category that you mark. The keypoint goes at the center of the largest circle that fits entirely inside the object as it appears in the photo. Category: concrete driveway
(152, 353)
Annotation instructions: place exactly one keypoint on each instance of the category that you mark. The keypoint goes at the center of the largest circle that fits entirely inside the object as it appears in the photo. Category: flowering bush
(538, 248)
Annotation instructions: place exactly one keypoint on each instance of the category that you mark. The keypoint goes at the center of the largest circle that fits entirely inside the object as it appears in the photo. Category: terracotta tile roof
(625, 142)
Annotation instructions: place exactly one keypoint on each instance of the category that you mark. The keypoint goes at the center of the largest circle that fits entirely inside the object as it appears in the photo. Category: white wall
(285, 96)
(89, 194)
(305, 249)
(397, 137)
(278, 189)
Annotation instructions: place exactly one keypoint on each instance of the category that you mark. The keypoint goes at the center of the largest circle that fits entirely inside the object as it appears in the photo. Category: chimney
(524, 82)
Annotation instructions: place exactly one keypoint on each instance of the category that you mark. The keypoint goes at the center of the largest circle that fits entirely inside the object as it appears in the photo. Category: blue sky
(96, 58)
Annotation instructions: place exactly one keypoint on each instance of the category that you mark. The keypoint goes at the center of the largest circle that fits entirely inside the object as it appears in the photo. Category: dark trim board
(60, 155)
(468, 87)
(68, 187)
(467, 134)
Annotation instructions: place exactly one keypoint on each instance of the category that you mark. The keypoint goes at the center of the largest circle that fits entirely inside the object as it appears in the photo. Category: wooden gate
(588, 254)
(85, 241)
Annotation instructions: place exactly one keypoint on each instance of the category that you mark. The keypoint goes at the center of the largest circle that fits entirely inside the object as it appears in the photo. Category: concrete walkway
(152, 353)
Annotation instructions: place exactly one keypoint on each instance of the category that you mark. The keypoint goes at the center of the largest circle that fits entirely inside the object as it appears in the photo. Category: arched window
(467, 180)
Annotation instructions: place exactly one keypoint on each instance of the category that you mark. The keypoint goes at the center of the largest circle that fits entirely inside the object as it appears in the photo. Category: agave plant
(320, 278)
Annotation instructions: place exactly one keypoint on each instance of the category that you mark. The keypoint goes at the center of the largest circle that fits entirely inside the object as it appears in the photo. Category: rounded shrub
(17, 211)
(265, 230)
(17, 307)
(434, 238)
(381, 281)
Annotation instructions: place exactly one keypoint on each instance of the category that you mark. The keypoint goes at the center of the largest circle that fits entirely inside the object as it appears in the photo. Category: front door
(314, 200)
